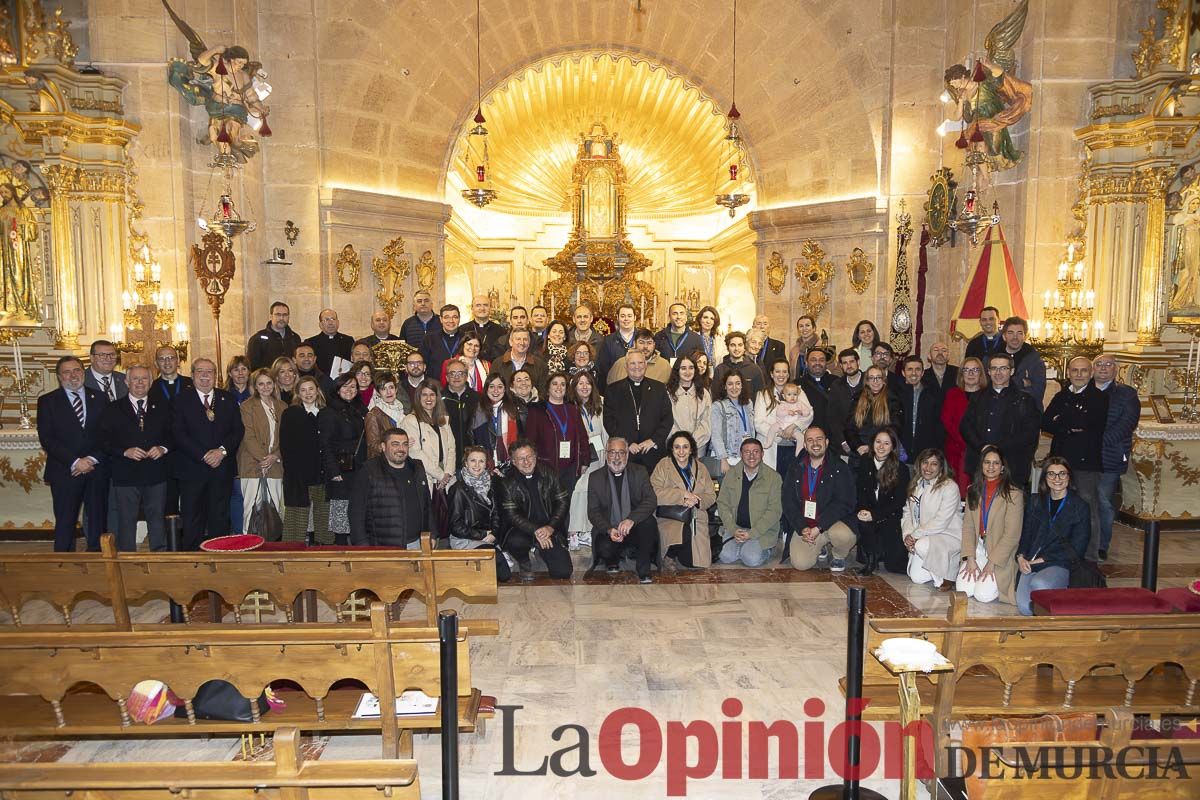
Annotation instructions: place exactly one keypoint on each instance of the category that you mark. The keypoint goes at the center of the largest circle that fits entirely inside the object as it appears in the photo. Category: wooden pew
(288, 777)
(40, 670)
(120, 579)
(1017, 666)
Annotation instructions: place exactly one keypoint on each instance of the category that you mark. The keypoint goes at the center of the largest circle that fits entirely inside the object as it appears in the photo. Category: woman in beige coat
(258, 454)
(996, 509)
(681, 480)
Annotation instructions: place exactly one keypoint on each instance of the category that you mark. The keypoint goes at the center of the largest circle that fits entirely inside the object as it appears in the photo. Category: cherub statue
(231, 88)
(991, 99)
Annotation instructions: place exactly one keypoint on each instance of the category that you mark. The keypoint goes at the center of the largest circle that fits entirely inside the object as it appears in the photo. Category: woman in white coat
(691, 402)
(780, 432)
(932, 523)
(430, 439)
(582, 393)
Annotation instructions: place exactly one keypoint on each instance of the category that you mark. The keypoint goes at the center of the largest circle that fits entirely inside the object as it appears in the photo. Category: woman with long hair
(708, 325)
(387, 411)
(258, 454)
(866, 336)
(681, 480)
(556, 429)
(882, 493)
(474, 510)
(991, 532)
(468, 352)
(343, 451)
(430, 438)
(237, 378)
(807, 337)
(285, 372)
(691, 402)
(875, 408)
(972, 378)
(305, 507)
(781, 416)
(732, 423)
(1054, 534)
(582, 392)
(555, 349)
(497, 423)
(932, 523)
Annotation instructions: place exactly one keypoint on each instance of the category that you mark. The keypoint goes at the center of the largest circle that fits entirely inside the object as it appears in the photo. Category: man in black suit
(381, 330)
(921, 425)
(275, 340)
(306, 366)
(330, 344)
(460, 401)
(206, 431)
(103, 375)
(488, 330)
(771, 350)
(1005, 416)
(941, 375)
(638, 410)
(136, 432)
(620, 505)
(677, 339)
(68, 425)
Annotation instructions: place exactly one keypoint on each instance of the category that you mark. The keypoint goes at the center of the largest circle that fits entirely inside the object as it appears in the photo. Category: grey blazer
(119, 385)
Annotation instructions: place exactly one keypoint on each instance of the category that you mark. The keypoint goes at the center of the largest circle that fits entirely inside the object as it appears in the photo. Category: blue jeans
(1047, 578)
(1106, 494)
(749, 552)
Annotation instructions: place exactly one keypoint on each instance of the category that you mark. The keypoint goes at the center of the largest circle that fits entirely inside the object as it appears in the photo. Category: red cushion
(237, 543)
(1181, 599)
(1089, 602)
(277, 547)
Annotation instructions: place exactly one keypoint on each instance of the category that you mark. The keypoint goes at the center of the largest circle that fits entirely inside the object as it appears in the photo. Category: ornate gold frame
(350, 260)
(857, 264)
(776, 272)
(814, 275)
(426, 271)
(940, 202)
(391, 272)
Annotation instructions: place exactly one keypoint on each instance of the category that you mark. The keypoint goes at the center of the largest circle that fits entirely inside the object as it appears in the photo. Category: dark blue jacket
(61, 435)
(1042, 539)
(1124, 408)
(689, 342)
(193, 434)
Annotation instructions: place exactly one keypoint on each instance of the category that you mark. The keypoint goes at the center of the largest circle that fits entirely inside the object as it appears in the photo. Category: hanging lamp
(733, 174)
(479, 191)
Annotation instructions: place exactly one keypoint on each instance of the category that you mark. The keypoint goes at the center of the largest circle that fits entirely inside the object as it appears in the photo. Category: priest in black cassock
(638, 409)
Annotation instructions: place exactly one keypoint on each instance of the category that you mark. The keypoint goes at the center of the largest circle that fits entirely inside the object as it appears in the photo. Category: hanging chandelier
(480, 192)
(733, 174)
(225, 217)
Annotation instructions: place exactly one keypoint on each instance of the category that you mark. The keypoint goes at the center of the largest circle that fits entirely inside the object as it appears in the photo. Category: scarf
(394, 409)
(481, 485)
(619, 506)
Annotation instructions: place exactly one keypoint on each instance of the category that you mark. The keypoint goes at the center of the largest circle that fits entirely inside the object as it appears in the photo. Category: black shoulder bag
(1084, 574)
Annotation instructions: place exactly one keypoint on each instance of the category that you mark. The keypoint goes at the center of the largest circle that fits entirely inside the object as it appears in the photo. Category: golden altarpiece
(1139, 218)
(598, 266)
(67, 206)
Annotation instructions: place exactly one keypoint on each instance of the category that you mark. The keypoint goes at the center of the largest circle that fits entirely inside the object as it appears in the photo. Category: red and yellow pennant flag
(992, 282)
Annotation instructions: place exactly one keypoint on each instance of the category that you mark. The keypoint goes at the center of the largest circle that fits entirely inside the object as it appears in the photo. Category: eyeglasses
(1000, 368)
(455, 373)
(874, 377)
(970, 370)
(1058, 474)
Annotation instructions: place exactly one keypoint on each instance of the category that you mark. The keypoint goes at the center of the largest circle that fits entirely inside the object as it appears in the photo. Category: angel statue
(231, 88)
(991, 99)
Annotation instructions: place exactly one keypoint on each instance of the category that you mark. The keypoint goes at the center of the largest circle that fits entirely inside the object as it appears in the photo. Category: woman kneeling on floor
(932, 524)
(991, 531)
(1055, 534)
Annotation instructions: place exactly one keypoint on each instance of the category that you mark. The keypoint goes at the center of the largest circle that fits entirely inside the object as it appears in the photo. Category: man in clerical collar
(1006, 417)
(534, 506)
(488, 330)
(442, 345)
(638, 409)
(677, 339)
(422, 322)
(169, 382)
(331, 346)
(988, 340)
(1120, 422)
(539, 320)
(381, 330)
(656, 368)
(583, 330)
(621, 504)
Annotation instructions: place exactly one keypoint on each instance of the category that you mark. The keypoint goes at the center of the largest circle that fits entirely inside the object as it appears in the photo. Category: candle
(139, 273)
(155, 272)
(1099, 330)
(126, 301)
(1091, 299)
(643, 317)
(170, 300)
(1071, 252)
(1046, 299)
(17, 359)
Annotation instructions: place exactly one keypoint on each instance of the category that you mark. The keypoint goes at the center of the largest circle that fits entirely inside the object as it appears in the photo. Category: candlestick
(17, 358)
(643, 316)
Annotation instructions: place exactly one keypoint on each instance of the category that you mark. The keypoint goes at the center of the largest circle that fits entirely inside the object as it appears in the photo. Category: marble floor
(574, 653)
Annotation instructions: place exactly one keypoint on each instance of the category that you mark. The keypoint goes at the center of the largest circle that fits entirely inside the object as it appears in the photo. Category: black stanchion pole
(448, 634)
(848, 789)
(173, 545)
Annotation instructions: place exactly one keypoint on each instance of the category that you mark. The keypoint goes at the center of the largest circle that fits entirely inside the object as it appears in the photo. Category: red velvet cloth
(1096, 602)
(1181, 599)
(282, 547)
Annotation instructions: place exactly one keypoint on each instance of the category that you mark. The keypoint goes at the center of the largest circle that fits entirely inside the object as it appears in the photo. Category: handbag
(1084, 574)
(345, 461)
(264, 519)
(678, 513)
(220, 700)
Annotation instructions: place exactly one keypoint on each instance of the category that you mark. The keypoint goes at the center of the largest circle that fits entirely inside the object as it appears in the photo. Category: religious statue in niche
(231, 88)
(20, 260)
(1185, 262)
(990, 98)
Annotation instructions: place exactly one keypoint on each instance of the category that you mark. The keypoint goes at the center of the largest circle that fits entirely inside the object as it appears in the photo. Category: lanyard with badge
(812, 477)
(984, 511)
(564, 444)
(741, 409)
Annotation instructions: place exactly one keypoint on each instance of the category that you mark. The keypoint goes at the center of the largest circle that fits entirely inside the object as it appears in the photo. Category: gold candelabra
(22, 381)
(149, 314)
(1068, 327)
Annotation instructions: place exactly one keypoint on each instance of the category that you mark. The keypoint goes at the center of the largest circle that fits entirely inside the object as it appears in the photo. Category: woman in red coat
(558, 434)
(971, 378)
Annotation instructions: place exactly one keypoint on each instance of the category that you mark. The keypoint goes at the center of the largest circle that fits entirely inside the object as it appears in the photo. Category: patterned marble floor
(574, 653)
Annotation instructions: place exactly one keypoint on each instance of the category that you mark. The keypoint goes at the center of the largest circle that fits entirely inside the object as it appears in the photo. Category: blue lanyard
(450, 341)
(813, 477)
(1054, 513)
(560, 422)
(496, 423)
(741, 409)
(707, 341)
(686, 474)
(986, 508)
(675, 346)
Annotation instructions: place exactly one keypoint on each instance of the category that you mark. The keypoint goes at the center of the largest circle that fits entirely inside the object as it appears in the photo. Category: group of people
(672, 448)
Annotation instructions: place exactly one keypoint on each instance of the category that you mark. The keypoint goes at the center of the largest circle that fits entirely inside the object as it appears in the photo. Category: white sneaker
(585, 538)
(572, 541)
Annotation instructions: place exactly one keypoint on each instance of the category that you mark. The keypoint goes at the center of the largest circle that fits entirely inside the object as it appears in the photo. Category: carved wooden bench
(289, 776)
(120, 579)
(41, 671)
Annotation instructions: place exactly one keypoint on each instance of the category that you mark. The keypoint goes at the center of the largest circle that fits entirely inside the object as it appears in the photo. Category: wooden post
(385, 677)
(116, 581)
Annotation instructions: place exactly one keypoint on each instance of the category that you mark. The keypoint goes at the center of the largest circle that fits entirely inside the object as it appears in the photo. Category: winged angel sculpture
(991, 98)
(230, 86)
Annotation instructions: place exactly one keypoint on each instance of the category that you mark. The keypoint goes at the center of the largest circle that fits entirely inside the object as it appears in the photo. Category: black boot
(872, 563)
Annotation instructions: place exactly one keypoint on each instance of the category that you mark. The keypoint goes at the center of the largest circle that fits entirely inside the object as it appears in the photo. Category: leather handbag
(678, 513)
(1084, 574)
(345, 461)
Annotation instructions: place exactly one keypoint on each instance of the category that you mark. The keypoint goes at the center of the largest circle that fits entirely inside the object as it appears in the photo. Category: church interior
(170, 169)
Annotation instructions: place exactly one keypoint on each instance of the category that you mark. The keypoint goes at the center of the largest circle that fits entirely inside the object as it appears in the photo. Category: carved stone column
(1153, 182)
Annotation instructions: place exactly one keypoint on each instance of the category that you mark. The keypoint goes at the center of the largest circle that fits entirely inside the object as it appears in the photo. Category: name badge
(564, 449)
(810, 509)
